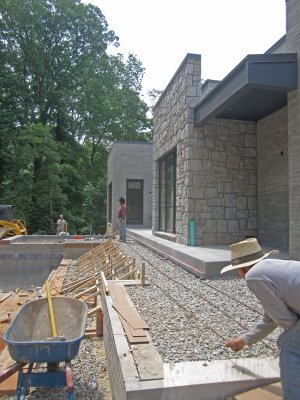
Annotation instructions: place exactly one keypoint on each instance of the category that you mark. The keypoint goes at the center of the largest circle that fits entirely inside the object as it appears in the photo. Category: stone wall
(293, 45)
(273, 186)
(173, 128)
(216, 165)
(222, 182)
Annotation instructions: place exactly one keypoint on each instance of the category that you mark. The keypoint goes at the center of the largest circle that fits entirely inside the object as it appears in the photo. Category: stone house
(226, 154)
(129, 175)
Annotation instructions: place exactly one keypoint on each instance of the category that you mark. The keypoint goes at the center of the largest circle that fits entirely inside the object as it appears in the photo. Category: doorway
(134, 199)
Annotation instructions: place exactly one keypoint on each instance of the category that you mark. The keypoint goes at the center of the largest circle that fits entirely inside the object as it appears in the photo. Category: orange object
(78, 237)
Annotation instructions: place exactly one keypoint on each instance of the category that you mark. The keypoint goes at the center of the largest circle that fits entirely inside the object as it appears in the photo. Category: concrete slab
(204, 261)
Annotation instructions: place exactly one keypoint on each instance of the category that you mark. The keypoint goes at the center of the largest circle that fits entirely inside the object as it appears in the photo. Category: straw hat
(246, 253)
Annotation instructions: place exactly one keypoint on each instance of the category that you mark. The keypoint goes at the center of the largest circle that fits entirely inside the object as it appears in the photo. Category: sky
(161, 32)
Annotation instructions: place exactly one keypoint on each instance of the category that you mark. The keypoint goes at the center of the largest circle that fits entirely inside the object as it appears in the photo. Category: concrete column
(293, 45)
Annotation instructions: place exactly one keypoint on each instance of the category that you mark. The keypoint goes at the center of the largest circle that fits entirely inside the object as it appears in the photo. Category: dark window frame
(109, 191)
(164, 159)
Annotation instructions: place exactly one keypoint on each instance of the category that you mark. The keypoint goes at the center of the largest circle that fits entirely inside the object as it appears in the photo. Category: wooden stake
(143, 275)
(84, 292)
(104, 282)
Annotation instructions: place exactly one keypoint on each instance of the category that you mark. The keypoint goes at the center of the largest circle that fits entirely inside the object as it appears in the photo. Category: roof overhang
(257, 87)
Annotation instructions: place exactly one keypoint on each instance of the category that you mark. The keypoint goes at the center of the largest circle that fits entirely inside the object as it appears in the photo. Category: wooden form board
(134, 326)
(270, 392)
(130, 315)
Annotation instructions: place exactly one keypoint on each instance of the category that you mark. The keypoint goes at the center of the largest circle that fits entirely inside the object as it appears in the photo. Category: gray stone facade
(130, 160)
(235, 178)
(216, 165)
(173, 128)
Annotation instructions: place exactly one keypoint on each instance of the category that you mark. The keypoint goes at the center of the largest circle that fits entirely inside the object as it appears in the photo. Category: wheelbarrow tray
(28, 334)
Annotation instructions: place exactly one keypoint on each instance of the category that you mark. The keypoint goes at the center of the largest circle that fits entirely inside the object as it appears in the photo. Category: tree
(64, 100)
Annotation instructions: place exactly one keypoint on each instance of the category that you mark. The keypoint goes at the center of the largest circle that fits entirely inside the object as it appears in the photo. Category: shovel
(55, 337)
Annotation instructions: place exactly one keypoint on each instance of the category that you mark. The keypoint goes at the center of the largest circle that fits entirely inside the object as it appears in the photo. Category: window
(134, 200)
(167, 193)
(110, 203)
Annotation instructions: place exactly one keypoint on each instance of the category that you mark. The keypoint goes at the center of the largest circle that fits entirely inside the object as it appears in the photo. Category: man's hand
(236, 344)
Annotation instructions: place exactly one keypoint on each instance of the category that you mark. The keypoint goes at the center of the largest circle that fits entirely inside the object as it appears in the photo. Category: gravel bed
(176, 328)
(179, 329)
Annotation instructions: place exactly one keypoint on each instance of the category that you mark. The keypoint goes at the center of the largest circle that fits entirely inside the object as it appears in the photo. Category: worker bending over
(276, 284)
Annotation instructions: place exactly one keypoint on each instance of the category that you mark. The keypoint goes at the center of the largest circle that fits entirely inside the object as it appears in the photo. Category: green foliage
(63, 101)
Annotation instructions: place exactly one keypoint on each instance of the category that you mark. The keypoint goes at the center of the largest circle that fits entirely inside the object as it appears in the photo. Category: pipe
(192, 232)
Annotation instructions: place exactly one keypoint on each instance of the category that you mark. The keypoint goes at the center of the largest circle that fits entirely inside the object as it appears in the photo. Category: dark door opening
(134, 199)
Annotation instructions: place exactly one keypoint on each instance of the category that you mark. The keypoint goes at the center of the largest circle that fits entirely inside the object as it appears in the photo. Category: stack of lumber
(134, 326)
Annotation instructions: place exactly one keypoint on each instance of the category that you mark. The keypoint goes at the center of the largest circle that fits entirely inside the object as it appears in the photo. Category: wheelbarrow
(29, 340)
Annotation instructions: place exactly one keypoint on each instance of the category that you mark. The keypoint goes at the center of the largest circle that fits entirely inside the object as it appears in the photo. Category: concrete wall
(130, 160)
(273, 187)
(24, 265)
(293, 45)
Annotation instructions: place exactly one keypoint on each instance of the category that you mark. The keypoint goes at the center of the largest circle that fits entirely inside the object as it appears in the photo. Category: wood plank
(94, 310)
(132, 339)
(104, 282)
(130, 315)
(149, 362)
(134, 332)
(90, 289)
(5, 296)
(124, 306)
(117, 291)
(269, 392)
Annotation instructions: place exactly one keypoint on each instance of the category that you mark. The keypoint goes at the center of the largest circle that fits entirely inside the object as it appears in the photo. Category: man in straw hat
(276, 284)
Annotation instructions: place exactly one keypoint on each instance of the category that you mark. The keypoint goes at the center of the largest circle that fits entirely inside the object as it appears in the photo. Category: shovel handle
(51, 311)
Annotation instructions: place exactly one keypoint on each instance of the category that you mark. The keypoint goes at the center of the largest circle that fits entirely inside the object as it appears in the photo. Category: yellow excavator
(8, 225)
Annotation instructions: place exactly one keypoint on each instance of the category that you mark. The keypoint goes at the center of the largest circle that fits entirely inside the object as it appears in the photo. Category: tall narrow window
(167, 193)
(110, 202)
(134, 199)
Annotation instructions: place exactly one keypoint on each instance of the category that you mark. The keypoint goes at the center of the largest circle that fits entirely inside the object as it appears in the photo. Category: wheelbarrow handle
(10, 371)
(69, 378)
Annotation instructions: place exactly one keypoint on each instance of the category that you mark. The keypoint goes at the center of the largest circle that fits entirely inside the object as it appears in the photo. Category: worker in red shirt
(122, 215)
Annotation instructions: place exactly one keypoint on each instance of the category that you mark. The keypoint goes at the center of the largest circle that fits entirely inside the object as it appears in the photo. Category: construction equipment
(11, 226)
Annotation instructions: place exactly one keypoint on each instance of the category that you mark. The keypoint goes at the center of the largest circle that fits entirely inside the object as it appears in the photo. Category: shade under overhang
(257, 87)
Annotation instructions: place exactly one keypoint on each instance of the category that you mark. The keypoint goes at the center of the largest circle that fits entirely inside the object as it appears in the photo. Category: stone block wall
(273, 185)
(216, 165)
(173, 129)
(222, 182)
(293, 45)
